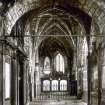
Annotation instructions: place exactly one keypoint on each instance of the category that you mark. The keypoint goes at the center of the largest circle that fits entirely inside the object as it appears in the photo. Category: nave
(52, 52)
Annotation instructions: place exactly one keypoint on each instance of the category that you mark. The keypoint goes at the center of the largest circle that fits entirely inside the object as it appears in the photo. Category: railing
(53, 96)
(54, 92)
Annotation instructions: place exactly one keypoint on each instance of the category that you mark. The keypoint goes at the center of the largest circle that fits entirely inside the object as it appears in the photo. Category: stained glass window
(47, 68)
(54, 85)
(59, 63)
(46, 85)
(63, 85)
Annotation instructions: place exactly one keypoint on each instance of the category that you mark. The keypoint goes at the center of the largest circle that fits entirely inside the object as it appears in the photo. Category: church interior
(52, 52)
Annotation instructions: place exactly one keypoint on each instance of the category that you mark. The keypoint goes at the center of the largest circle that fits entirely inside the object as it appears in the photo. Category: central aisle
(61, 102)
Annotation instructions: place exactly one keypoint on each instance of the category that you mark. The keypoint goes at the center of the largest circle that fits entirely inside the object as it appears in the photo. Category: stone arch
(19, 9)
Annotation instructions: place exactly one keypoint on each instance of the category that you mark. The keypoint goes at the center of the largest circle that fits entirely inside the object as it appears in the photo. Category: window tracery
(47, 67)
(59, 63)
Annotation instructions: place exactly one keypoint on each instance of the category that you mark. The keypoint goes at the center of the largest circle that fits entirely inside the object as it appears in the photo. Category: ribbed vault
(94, 8)
(49, 46)
(53, 22)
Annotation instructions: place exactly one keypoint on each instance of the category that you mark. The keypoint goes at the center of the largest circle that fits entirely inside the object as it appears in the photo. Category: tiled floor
(58, 102)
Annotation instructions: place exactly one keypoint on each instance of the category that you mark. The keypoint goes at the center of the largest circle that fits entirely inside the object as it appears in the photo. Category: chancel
(52, 52)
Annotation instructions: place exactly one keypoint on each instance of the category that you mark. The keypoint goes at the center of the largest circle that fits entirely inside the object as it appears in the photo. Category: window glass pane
(63, 85)
(59, 63)
(7, 80)
(47, 68)
(54, 85)
(46, 85)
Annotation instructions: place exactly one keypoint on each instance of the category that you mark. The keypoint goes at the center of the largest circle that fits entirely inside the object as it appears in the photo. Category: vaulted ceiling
(54, 17)
(91, 8)
(56, 22)
(51, 45)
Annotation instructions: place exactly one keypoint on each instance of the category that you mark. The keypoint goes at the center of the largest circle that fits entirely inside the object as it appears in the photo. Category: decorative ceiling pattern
(94, 8)
(54, 22)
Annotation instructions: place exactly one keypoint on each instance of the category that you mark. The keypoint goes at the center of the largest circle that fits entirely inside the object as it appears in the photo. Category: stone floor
(58, 102)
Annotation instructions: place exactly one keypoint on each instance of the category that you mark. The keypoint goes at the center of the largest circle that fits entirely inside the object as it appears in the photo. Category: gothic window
(46, 85)
(7, 80)
(59, 63)
(54, 85)
(63, 85)
(47, 68)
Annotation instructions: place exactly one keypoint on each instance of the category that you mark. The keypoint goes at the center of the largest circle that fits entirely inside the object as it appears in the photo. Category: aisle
(58, 102)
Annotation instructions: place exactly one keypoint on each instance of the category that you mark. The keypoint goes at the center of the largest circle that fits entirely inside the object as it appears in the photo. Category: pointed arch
(47, 67)
(59, 63)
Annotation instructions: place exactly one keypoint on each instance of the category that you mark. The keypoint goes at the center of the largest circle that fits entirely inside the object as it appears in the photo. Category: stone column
(1, 74)
(2, 27)
(79, 83)
(32, 71)
(79, 67)
(100, 61)
(75, 65)
(89, 69)
(20, 76)
(37, 74)
(103, 77)
(14, 79)
(32, 81)
(26, 69)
